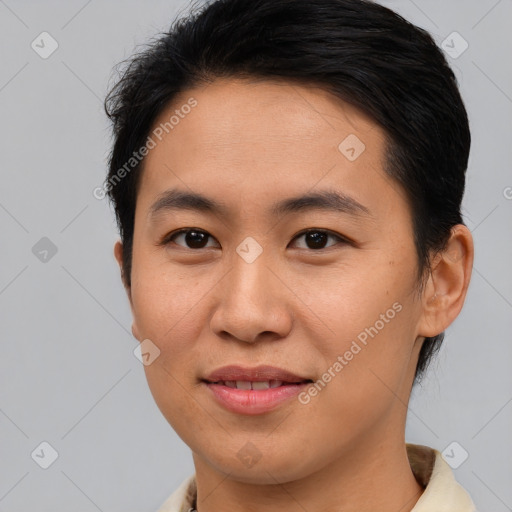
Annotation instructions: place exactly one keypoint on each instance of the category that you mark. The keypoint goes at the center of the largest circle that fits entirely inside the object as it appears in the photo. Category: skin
(296, 306)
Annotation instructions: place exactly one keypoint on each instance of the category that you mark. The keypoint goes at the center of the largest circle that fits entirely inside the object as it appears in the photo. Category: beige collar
(442, 492)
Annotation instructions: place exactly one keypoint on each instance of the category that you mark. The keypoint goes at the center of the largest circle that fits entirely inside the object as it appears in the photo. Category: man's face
(300, 290)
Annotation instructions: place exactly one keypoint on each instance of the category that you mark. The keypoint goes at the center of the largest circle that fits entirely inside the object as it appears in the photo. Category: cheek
(172, 395)
(370, 313)
(167, 310)
(170, 308)
(362, 379)
(352, 297)
(167, 304)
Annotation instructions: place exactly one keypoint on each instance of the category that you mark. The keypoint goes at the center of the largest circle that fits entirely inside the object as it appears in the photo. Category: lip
(255, 374)
(253, 401)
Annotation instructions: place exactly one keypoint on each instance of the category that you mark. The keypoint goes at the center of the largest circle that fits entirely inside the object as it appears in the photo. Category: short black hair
(362, 52)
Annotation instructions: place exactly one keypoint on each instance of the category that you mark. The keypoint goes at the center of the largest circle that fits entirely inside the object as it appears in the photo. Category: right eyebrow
(175, 199)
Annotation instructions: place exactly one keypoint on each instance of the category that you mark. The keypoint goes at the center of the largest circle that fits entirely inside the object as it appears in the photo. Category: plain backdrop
(68, 373)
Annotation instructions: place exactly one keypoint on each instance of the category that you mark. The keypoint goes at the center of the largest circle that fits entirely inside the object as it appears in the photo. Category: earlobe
(135, 332)
(448, 283)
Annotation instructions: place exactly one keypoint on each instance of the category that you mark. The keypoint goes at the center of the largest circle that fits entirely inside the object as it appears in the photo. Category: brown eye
(192, 238)
(316, 239)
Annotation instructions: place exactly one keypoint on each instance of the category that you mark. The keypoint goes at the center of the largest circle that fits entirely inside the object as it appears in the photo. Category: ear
(445, 291)
(118, 253)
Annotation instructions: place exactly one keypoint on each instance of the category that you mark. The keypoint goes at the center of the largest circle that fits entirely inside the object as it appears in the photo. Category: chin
(258, 466)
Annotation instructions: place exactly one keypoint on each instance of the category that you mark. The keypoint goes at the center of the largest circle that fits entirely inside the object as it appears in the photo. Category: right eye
(195, 238)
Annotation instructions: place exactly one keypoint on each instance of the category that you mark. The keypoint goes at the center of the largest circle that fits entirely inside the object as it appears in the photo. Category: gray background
(68, 375)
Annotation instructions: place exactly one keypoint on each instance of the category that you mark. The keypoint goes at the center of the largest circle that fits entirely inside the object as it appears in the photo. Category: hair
(363, 53)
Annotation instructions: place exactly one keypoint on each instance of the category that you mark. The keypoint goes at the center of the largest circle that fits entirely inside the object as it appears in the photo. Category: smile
(245, 384)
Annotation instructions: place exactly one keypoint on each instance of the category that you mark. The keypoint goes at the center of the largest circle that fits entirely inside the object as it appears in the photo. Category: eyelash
(167, 239)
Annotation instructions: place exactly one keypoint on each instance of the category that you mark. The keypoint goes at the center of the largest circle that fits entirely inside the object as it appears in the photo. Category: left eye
(316, 239)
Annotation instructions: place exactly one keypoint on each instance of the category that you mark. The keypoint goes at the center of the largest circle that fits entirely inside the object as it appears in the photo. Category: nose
(252, 304)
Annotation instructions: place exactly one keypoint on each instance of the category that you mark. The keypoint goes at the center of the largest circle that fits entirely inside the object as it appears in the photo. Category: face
(323, 289)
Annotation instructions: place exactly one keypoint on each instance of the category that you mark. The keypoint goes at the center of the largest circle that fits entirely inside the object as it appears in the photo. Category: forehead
(259, 139)
(278, 114)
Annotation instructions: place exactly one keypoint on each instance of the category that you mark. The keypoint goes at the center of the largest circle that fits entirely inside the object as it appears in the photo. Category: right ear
(118, 253)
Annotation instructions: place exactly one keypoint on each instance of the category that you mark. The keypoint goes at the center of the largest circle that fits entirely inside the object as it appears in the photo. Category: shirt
(442, 493)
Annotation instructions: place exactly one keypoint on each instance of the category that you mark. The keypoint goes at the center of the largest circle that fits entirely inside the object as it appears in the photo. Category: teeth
(245, 384)
(260, 385)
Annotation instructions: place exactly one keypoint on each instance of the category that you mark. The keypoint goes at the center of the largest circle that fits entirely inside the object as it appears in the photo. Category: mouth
(253, 390)
(256, 384)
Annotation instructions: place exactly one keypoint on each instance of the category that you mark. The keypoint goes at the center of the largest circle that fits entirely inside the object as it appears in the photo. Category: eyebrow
(328, 200)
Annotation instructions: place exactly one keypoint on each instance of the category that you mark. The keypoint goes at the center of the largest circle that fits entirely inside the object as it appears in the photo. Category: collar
(442, 492)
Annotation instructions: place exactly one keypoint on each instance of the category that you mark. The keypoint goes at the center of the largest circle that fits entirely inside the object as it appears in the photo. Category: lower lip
(254, 401)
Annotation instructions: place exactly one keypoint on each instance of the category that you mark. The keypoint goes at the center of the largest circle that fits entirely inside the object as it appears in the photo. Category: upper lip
(256, 374)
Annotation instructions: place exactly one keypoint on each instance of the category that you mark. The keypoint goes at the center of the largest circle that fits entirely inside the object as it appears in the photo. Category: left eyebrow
(322, 200)
(328, 200)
